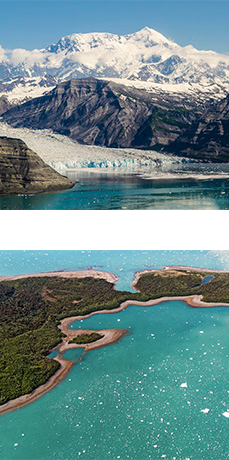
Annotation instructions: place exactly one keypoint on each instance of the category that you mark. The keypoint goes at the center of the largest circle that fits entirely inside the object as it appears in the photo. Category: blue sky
(35, 24)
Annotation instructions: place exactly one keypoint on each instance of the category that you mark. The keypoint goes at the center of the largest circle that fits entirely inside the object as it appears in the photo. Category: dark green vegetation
(87, 338)
(185, 283)
(31, 309)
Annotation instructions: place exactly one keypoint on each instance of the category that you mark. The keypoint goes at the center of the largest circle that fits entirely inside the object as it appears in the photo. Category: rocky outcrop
(207, 138)
(4, 105)
(23, 171)
(105, 113)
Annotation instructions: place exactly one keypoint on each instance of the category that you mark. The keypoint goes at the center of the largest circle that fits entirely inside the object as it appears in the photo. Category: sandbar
(108, 276)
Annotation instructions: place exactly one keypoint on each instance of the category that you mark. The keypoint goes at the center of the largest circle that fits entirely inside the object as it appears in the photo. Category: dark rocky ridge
(4, 105)
(207, 138)
(23, 171)
(104, 113)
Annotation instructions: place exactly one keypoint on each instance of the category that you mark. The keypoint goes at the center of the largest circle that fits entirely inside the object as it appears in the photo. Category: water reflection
(95, 190)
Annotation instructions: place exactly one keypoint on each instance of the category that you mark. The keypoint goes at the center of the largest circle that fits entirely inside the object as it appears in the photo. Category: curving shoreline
(110, 336)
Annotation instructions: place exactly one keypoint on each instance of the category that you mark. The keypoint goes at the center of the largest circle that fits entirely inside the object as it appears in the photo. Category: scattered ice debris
(184, 385)
(205, 411)
(226, 414)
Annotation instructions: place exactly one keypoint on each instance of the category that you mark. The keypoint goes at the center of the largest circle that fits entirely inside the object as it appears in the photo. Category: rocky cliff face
(108, 114)
(22, 171)
(206, 138)
(4, 105)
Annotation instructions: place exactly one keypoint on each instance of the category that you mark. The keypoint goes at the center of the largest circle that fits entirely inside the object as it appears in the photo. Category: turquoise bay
(126, 400)
(113, 191)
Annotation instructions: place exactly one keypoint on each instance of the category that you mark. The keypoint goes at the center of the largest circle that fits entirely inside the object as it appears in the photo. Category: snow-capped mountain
(144, 56)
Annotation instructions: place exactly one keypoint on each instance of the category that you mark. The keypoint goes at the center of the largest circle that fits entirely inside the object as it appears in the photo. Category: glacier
(66, 155)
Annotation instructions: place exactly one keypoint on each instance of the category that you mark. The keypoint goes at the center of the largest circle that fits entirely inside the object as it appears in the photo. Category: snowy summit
(145, 55)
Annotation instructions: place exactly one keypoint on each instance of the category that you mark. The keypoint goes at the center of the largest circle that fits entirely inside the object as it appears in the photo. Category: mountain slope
(22, 171)
(142, 56)
(104, 113)
(208, 137)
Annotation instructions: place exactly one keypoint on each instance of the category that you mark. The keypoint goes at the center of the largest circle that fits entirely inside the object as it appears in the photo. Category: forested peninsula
(37, 309)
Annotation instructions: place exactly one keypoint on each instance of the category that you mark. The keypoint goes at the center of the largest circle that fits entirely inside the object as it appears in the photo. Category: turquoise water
(54, 353)
(122, 263)
(73, 355)
(125, 400)
(108, 191)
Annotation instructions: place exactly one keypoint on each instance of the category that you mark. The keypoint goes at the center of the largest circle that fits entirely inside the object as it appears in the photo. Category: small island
(85, 338)
(36, 311)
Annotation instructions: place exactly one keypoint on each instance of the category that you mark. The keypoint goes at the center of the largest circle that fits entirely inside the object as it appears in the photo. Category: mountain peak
(145, 55)
(152, 34)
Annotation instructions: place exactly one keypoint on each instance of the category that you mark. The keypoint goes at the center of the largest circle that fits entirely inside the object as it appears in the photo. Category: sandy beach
(110, 336)
(108, 276)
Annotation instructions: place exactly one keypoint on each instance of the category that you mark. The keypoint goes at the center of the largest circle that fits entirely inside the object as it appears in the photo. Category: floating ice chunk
(184, 385)
(201, 332)
(226, 414)
(16, 444)
(205, 411)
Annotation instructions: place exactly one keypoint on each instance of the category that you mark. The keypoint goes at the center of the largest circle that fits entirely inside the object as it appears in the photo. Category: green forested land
(31, 309)
(185, 283)
(87, 338)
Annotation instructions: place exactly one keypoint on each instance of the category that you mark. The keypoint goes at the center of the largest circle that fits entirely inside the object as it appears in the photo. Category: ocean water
(141, 398)
(125, 191)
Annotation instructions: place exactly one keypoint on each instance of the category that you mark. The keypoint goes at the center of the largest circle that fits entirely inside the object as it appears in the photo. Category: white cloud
(28, 58)
(3, 56)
